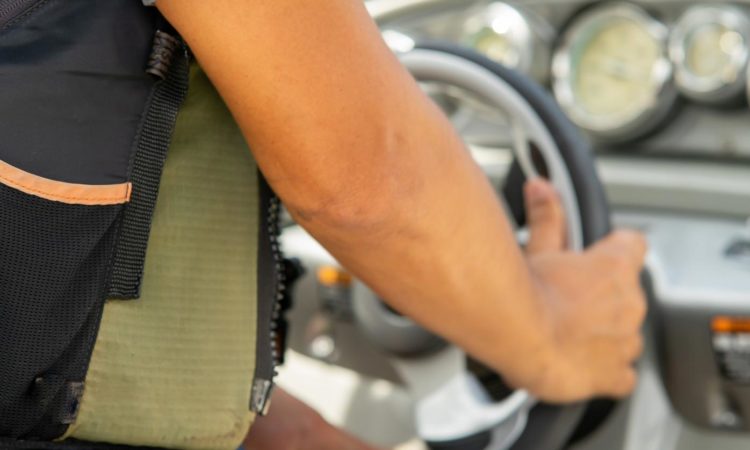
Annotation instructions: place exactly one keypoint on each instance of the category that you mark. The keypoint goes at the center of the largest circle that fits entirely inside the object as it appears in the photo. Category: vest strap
(152, 144)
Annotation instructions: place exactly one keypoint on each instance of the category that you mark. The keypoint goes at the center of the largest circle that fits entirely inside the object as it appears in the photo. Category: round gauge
(511, 37)
(612, 75)
(709, 48)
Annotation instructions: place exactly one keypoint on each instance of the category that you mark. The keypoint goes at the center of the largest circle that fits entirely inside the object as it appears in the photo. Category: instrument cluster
(618, 69)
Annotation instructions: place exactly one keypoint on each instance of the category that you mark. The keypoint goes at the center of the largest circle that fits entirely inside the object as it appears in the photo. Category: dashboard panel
(685, 78)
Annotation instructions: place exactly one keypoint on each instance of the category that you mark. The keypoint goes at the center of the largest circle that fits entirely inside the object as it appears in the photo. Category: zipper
(12, 9)
(272, 322)
(277, 346)
(271, 289)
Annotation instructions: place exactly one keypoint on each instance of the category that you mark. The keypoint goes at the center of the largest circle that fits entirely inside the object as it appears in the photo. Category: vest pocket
(56, 243)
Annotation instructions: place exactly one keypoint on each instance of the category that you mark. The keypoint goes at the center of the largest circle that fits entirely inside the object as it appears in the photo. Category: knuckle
(626, 236)
(634, 304)
(634, 348)
(619, 263)
(640, 308)
(641, 244)
(633, 314)
(622, 384)
(621, 236)
(627, 383)
(543, 215)
(634, 241)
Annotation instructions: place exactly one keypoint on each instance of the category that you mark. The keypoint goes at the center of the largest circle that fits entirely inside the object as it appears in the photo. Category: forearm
(445, 255)
(368, 165)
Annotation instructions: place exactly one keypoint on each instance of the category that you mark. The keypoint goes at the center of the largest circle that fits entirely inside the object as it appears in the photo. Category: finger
(628, 315)
(634, 241)
(622, 385)
(627, 243)
(633, 348)
(545, 217)
(638, 308)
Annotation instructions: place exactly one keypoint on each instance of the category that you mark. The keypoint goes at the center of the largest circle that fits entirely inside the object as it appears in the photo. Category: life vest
(141, 285)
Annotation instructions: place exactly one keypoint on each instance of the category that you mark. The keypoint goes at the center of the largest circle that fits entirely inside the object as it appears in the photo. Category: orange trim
(59, 191)
(723, 324)
(331, 276)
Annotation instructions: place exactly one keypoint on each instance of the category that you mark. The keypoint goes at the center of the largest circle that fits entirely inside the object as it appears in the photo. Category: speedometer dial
(709, 47)
(612, 74)
(511, 36)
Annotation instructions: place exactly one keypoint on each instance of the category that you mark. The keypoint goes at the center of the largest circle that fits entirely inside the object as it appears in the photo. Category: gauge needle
(618, 69)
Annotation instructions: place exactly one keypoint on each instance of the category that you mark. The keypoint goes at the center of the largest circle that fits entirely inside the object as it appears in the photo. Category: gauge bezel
(578, 33)
(529, 35)
(709, 89)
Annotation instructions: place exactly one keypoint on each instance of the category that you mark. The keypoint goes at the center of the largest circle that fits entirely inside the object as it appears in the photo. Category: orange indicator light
(331, 276)
(723, 324)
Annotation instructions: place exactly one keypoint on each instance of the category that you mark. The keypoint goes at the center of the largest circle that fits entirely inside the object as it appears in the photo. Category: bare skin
(589, 331)
(308, 430)
(374, 171)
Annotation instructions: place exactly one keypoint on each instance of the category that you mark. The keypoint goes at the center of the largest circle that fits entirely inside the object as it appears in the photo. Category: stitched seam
(13, 183)
(25, 15)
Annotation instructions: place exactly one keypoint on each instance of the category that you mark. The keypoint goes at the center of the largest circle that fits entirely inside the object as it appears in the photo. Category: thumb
(545, 216)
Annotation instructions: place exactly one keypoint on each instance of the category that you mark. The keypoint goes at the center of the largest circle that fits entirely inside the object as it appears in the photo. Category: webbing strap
(151, 152)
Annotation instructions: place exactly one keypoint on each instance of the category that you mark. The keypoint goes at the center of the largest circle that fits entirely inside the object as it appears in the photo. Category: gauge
(709, 48)
(612, 75)
(511, 37)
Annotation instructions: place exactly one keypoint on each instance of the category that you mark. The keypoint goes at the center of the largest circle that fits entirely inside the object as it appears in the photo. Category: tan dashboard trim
(59, 191)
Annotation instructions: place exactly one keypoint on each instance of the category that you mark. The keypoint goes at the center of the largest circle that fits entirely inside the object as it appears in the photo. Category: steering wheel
(452, 408)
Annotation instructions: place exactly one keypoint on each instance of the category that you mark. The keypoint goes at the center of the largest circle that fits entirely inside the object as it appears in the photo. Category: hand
(592, 302)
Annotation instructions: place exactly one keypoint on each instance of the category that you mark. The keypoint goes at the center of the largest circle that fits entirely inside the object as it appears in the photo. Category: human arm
(367, 164)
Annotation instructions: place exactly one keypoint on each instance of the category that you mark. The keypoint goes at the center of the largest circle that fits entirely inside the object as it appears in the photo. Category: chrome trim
(728, 85)
(383, 11)
(530, 35)
(563, 74)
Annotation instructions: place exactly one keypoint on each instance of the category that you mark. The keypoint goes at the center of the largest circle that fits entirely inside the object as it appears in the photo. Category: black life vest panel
(91, 91)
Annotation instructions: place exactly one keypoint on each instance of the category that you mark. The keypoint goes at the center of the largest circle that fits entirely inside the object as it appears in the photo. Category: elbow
(352, 210)
(362, 178)
(363, 194)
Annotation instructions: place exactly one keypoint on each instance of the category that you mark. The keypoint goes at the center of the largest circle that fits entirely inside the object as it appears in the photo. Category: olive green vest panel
(174, 369)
